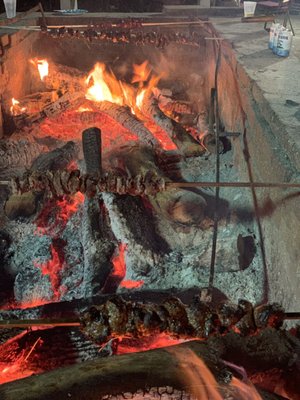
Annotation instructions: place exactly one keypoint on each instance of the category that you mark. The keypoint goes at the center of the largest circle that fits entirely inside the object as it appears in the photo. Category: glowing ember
(99, 90)
(148, 343)
(55, 215)
(52, 221)
(84, 109)
(119, 263)
(16, 109)
(131, 284)
(119, 271)
(53, 268)
(161, 135)
(43, 67)
(17, 366)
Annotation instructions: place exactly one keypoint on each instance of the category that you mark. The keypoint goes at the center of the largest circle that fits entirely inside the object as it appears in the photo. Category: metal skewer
(28, 323)
(73, 322)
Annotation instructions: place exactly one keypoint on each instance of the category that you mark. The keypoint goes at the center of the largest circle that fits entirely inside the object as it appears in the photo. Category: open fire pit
(125, 224)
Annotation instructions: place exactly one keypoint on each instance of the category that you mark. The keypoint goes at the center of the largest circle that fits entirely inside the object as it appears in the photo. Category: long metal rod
(73, 322)
(215, 105)
(28, 323)
(284, 185)
(143, 24)
(270, 185)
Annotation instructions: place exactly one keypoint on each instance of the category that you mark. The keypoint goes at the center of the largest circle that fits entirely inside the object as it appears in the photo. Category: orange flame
(99, 82)
(16, 109)
(202, 383)
(43, 67)
(141, 72)
(104, 86)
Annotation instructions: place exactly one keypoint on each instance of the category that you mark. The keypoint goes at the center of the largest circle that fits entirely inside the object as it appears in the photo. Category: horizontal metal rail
(284, 185)
(73, 322)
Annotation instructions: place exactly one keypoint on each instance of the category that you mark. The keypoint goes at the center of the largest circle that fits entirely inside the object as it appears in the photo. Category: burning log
(126, 374)
(65, 79)
(126, 119)
(50, 111)
(118, 317)
(186, 143)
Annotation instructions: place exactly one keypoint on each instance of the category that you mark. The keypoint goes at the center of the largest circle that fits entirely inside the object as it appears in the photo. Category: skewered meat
(117, 317)
(59, 183)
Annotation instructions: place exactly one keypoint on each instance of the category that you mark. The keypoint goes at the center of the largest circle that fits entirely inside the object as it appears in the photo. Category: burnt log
(99, 244)
(92, 150)
(157, 368)
(65, 79)
(57, 159)
(185, 142)
(126, 119)
(16, 156)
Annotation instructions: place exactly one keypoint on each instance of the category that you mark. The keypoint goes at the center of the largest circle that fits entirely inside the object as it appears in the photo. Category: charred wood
(57, 159)
(126, 119)
(65, 79)
(99, 244)
(157, 368)
(49, 111)
(186, 143)
(92, 150)
(16, 156)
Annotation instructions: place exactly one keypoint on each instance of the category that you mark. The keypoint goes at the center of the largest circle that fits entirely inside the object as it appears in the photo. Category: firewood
(50, 111)
(99, 244)
(92, 150)
(157, 368)
(16, 156)
(65, 79)
(23, 205)
(126, 119)
(185, 143)
(57, 159)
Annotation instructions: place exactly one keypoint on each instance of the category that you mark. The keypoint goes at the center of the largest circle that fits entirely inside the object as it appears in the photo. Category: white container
(277, 30)
(10, 8)
(274, 26)
(249, 8)
(284, 43)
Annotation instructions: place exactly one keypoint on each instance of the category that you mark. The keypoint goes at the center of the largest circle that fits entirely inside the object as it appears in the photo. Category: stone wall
(243, 108)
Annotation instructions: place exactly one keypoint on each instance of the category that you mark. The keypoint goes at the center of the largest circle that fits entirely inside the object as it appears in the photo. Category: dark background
(95, 5)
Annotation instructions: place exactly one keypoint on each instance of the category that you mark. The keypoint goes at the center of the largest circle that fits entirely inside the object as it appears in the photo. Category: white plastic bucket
(274, 26)
(249, 8)
(284, 43)
(277, 30)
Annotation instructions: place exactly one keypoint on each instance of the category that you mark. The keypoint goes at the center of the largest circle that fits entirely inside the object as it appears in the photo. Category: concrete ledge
(197, 10)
